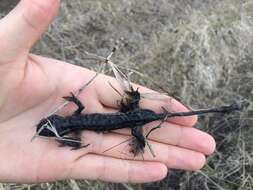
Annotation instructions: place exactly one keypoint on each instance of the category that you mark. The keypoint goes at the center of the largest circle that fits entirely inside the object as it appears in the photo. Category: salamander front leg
(76, 101)
(75, 143)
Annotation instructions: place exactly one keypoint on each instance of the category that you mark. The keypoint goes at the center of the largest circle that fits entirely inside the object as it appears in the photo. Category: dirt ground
(199, 51)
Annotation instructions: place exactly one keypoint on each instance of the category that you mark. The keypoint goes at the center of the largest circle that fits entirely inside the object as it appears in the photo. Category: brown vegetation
(199, 51)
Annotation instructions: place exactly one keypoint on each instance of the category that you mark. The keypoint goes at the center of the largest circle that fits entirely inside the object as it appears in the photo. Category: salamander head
(46, 126)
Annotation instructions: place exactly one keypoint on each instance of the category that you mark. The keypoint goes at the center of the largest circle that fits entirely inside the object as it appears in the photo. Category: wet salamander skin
(99, 122)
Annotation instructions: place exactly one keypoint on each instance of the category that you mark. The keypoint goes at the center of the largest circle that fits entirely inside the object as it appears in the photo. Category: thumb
(23, 26)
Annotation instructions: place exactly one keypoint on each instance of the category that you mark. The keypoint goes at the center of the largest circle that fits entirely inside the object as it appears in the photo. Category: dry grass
(203, 52)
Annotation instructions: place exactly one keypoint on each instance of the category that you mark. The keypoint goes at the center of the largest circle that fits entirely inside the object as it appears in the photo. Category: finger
(78, 164)
(172, 156)
(185, 137)
(97, 167)
(22, 27)
(110, 98)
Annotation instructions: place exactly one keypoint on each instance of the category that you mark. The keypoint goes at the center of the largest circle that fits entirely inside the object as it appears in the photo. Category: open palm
(31, 86)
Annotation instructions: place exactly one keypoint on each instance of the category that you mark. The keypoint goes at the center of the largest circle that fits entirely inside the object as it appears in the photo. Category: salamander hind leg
(138, 143)
(76, 101)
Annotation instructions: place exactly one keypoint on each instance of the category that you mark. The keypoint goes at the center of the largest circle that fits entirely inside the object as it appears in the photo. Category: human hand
(31, 86)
